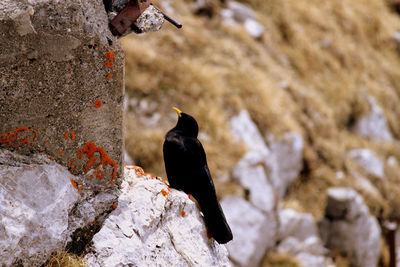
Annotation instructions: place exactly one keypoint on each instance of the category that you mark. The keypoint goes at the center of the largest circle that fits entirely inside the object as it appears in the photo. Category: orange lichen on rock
(110, 55)
(69, 134)
(98, 103)
(98, 160)
(183, 214)
(61, 153)
(52, 159)
(164, 193)
(109, 76)
(108, 64)
(77, 185)
(13, 139)
(114, 206)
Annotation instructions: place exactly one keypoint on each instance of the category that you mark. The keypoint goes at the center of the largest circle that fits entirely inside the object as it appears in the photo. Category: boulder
(254, 232)
(154, 225)
(349, 228)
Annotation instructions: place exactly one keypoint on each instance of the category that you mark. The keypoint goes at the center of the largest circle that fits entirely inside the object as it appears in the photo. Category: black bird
(187, 170)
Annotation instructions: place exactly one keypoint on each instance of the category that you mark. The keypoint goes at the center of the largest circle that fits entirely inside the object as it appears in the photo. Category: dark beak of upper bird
(178, 111)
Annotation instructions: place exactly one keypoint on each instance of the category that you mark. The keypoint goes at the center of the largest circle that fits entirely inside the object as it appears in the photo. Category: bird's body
(187, 170)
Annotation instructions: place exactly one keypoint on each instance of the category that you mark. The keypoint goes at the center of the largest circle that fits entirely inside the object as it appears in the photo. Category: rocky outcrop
(349, 228)
(154, 225)
(265, 172)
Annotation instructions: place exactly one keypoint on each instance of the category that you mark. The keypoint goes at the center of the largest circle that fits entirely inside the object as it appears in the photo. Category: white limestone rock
(251, 174)
(374, 124)
(350, 228)
(287, 151)
(35, 200)
(298, 236)
(254, 28)
(239, 14)
(245, 130)
(154, 226)
(368, 161)
(296, 224)
(254, 231)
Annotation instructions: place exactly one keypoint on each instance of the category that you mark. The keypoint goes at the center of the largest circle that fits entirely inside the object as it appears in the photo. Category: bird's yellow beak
(178, 111)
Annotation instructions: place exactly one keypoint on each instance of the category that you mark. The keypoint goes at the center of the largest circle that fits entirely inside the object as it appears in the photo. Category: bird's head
(186, 124)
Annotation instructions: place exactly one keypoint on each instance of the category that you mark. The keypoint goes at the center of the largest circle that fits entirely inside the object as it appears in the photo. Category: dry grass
(275, 259)
(330, 55)
(64, 259)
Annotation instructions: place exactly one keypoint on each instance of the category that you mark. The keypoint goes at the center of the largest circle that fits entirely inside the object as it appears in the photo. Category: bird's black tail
(215, 219)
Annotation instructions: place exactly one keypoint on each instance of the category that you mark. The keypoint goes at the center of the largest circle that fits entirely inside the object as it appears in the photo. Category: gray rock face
(373, 125)
(154, 225)
(349, 227)
(61, 86)
(368, 161)
(254, 231)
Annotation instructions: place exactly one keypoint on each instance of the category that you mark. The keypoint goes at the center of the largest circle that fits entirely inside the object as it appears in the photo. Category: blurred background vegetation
(309, 72)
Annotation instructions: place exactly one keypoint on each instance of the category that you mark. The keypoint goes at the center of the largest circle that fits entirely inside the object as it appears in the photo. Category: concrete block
(61, 87)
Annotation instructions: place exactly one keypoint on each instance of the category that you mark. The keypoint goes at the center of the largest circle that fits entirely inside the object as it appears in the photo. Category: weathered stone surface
(61, 86)
(374, 124)
(368, 161)
(154, 226)
(35, 200)
(254, 231)
(150, 20)
(350, 228)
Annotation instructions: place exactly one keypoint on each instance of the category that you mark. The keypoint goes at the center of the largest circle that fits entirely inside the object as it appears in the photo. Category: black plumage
(187, 170)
